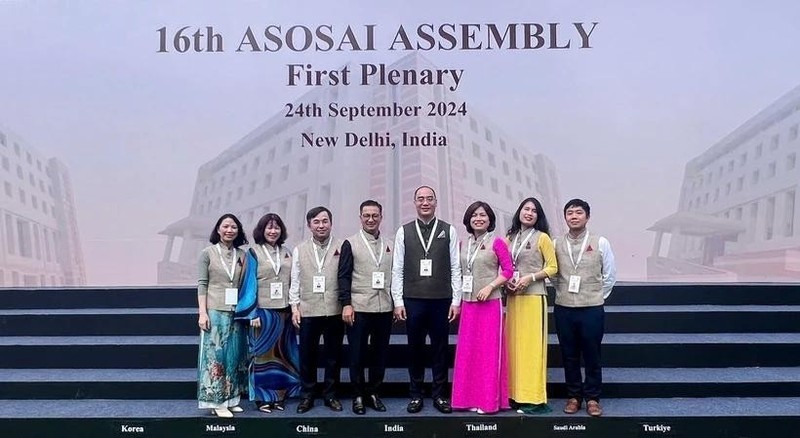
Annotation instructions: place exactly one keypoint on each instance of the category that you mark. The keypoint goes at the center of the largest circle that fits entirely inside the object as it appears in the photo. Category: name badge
(574, 283)
(231, 296)
(516, 276)
(378, 280)
(466, 284)
(425, 268)
(276, 291)
(319, 284)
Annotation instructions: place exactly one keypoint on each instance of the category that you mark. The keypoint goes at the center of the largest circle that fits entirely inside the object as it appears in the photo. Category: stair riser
(614, 355)
(623, 294)
(188, 390)
(186, 324)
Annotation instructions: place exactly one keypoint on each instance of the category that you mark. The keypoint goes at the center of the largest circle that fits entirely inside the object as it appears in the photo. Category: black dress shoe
(414, 406)
(375, 402)
(305, 405)
(333, 404)
(442, 405)
(358, 406)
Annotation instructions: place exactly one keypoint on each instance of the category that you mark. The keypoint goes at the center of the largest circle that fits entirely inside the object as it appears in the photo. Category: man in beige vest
(365, 277)
(314, 297)
(586, 275)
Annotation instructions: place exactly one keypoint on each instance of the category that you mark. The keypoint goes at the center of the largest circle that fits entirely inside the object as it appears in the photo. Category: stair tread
(608, 308)
(608, 339)
(109, 311)
(610, 375)
(699, 308)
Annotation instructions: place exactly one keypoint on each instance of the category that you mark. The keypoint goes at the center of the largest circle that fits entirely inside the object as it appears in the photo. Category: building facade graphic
(39, 239)
(737, 218)
(269, 171)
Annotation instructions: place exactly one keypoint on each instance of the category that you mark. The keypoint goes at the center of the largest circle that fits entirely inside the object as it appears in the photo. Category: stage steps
(669, 351)
(181, 383)
(182, 321)
(621, 350)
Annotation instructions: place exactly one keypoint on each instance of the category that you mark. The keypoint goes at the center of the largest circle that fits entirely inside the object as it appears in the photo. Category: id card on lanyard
(378, 277)
(575, 280)
(275, 288)
(318, 282)
(466, 284)
(425, 268)
(231, 293)
(378, 280)
(426, 264)
(467, 281)
(516, 250)
(276, 291)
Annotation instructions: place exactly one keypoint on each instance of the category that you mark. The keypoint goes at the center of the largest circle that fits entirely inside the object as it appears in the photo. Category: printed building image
(39, 239)
(738, 213)
(270, 171)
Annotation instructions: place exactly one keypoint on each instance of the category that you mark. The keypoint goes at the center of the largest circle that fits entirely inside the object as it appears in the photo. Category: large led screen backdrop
(128, 127)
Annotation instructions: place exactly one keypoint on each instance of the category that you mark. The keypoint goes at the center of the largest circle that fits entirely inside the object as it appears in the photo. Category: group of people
(254, 298)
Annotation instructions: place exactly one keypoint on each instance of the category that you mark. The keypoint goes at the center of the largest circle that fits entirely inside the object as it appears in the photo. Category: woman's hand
(524, 282)
(255, 323)
(484, 293)
(203, 322)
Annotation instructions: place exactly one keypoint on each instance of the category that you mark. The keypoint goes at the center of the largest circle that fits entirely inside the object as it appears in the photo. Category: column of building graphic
(271, 170)
(480, 162)
(39, 240)
(738, 211)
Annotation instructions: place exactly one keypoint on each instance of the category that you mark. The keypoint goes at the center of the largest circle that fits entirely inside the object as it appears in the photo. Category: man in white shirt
(586, 275)
(426, 290)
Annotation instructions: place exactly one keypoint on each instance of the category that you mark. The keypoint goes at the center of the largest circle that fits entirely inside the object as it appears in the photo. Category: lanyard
(516, 250)
(321, 261)
(276, 264)
(427, 246)
(471, 259)
(580, 254)
(378, 259)
(230, 271)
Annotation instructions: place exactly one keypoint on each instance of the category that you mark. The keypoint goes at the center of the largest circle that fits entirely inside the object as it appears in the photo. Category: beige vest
(319, 304)
(218, 279)
(266, 276)
(529, 260)
(362, 296)
(484, 268)
(590, 269)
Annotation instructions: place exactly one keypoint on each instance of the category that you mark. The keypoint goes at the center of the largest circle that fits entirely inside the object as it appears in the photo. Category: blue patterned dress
(273, 370)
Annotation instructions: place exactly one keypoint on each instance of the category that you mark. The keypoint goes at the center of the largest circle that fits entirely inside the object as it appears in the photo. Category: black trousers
(428, 318)
(580, 332)
(331, 329)
(368, 338)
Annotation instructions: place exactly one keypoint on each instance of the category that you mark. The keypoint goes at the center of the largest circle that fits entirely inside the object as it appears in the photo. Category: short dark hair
(239, 240)
(471, 210)
(577, 203)
(370, 203)
(424, 187)
(258, 231)
(315, 211)
(541, 223)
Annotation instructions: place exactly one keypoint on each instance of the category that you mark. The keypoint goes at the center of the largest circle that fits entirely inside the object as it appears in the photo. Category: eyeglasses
(371, 216)
(425, 198)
